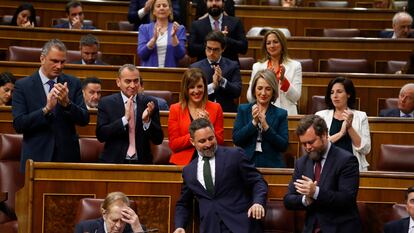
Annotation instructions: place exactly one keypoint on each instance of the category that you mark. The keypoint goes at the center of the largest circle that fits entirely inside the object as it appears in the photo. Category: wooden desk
(52, 191)
(371, 89)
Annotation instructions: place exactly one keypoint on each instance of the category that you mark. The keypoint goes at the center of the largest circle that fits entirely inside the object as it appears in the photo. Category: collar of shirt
(220, 20)
(105, 229)
(44, 80)
(211, 62)
(403, 114)
(125, 98)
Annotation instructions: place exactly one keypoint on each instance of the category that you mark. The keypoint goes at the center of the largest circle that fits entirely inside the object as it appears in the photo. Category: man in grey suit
(405, 104)
(404, 225)
(325, 182)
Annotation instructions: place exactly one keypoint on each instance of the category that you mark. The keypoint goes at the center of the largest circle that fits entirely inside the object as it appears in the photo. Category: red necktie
(131, 125)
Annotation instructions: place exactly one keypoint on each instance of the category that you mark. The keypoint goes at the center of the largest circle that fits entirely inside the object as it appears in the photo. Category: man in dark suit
(139, 11)
(223, 74)
(117, 216)
(75, 15)
(231, 27)
(325, 182)
(405, 104)
(46, 107)
(127, 137)
(404, 225)
(230, 191)
(401, 25)
(89, 49)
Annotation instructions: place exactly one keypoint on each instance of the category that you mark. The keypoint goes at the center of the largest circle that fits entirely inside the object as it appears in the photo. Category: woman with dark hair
(7, 81)
(25, 16)
(161, 43)
(288, 72)
(261, 128)
(193, 104)
(348, 128)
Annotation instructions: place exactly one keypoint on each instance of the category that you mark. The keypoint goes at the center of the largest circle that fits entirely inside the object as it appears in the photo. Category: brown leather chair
(347, 65)
(246, 63)
(394, 66)
(391, 103)
(125, 26)
(332, 4)
(318, 103)
(161, 153)
(90, 149)
(167, 95)
(341, 32)
(396, 158)
(278, 219)
(307, 64)
(11, 180)
(90, 208)
(21, 53)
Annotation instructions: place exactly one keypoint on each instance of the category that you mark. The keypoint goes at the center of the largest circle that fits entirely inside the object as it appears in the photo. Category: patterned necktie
(51, 84)
(131, 125)
(208, 179)
(216, 25)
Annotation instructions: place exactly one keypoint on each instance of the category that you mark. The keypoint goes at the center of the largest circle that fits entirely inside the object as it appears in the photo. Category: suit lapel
(309, 171)
(38, 87)
(327, 165)
(220, 165)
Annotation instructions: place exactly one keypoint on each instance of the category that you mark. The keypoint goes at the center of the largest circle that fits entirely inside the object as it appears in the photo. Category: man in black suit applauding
(404, 225)
(231, 27)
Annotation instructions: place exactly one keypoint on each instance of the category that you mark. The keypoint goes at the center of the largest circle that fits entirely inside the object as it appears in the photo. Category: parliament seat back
(246, 63)
(399, 158)
(90, 149)
(318, 103)
(341, 32)
(333, 4)
(394, 66)
(341, 65)
(307, 64)
(278, 219)
(166, 95)
(161, 153)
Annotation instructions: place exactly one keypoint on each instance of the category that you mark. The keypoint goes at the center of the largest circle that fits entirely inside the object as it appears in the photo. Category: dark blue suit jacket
(397, 226)
(135, 5)
(236, 41)
(274, 140)
(52, 137)
(96, 226)
(388, 34)
(97, 62)
(335, 208)
(392, 112)
(109, 129)
(238, 185)
(66, 25)
(229, 70)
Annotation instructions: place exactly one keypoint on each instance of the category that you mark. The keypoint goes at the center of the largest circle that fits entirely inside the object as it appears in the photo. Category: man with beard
(91, 89)
(325, 182)
(230, 191)
(231, 27)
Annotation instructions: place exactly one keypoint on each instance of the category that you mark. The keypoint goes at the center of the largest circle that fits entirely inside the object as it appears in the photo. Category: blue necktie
(51, 84)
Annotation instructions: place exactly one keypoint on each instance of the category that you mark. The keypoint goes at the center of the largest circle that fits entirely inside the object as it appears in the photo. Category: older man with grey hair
(405, 104)
(401, 25)
(46, 108)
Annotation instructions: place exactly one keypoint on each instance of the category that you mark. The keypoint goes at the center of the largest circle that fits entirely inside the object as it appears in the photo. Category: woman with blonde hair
(193, 104)
(288, 72)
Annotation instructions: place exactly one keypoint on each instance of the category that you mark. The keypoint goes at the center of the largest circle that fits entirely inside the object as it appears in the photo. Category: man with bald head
(405, 104)
(401, 25)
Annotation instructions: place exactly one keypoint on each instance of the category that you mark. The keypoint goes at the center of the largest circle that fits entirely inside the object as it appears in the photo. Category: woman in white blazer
(288, 71)
(348, 128)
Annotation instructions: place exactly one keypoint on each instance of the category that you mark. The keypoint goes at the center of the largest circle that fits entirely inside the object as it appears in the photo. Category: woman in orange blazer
(193, 104)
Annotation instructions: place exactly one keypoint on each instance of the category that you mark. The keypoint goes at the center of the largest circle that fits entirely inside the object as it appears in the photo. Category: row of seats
(30, 54)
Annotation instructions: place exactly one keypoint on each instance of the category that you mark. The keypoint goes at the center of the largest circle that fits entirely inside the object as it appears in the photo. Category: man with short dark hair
(89, 49)
(46, 108)
(74, 12)
(128, 122)
(91, 89)
(231, 27)
(405, 104)
(404, 225)
(223, 74)
(325, 182)
(230, 191)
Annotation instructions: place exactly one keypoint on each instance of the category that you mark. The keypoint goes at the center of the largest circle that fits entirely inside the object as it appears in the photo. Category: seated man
(404, 224)
(89, 48)
(91, 89)
(401, 25)
(74, 12)
(223, 74)
(117, 216)
(405, 103)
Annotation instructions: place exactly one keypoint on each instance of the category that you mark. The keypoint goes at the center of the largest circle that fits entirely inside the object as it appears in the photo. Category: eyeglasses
(214, 50)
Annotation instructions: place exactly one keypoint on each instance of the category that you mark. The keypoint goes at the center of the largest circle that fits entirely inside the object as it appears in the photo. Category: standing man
(89, 49)
(46, 107)
(128, 122)
(223, 74)
(230, 191)
(405, 225)
(75, 15)
(91, 89)
(401, 25)
(325, 182)
(231, 27)
(405, 104)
